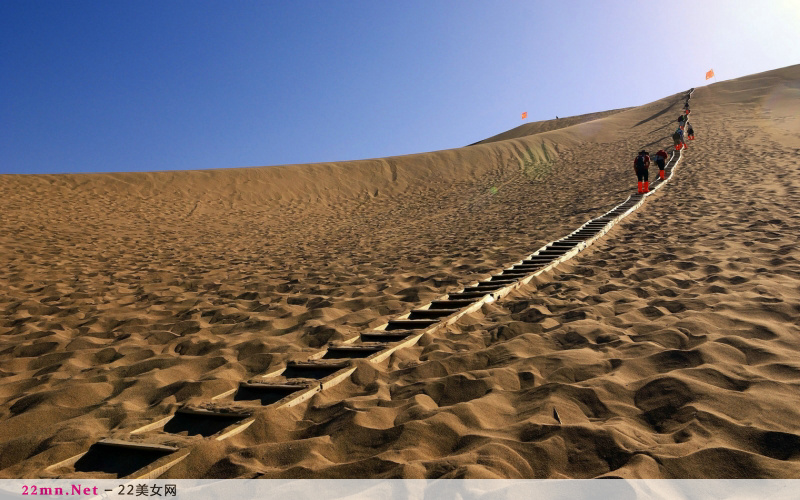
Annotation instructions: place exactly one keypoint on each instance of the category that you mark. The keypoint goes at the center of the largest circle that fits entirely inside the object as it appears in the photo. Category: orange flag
(709, 74)
(524, 115)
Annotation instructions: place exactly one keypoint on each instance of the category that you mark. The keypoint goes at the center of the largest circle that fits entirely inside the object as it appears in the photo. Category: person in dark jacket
(677, 138)
(690, 132)
(640, 166)
(661, 162)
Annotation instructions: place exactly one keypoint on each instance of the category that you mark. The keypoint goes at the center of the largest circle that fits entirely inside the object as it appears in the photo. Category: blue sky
(101, 86)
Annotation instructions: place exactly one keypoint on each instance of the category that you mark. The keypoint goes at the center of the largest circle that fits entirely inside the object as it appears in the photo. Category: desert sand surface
(669, 349)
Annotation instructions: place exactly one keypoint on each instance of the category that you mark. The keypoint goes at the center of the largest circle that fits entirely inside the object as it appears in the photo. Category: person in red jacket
(661, 162)
(640, 166)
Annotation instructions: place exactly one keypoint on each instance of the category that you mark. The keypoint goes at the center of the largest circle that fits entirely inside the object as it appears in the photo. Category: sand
(670, 349)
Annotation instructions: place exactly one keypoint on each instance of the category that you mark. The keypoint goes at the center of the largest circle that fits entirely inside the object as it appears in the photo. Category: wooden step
(122, 458)
(553, 253)
(317, 369)
(528, 269)
(486, 285)
(410, 324)
(476, 295)
(484, 290)
(384, 336)
(431, 313)
(516, 272)
(266, 393)
(451, 304)
(203, 422)
(499, 278)
(348, 351)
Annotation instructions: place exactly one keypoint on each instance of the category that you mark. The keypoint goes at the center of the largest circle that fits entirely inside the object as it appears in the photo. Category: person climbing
(690, 132)
(686, 109)
(640, 166)
(677, 138)
(681, 121)
(661, 162)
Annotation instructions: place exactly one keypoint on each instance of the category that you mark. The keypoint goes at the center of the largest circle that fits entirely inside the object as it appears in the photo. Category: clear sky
(100, 86)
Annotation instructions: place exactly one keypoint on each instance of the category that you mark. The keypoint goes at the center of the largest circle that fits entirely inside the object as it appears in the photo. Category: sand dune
(533, 128)
(670, 349)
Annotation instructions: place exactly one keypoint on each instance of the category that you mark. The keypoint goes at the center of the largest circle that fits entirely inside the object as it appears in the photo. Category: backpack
(640, 161)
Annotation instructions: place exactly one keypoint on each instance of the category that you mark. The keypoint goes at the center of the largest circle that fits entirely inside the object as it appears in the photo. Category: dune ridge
(533, 128)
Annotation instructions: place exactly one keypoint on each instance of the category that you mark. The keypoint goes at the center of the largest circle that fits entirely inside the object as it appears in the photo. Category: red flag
(709, 74)
(524, 115)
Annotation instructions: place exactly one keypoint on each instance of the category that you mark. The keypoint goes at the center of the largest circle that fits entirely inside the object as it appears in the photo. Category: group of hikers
(642, 162)
(641, 165)
(683, 121)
